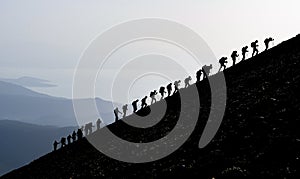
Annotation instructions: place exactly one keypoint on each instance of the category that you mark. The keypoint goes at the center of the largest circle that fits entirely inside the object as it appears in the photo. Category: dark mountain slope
(259, 136)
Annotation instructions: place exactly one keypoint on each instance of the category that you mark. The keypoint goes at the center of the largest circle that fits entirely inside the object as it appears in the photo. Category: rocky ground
(258, 138)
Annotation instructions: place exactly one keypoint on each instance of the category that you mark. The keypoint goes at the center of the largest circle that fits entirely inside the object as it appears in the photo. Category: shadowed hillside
(259, 136)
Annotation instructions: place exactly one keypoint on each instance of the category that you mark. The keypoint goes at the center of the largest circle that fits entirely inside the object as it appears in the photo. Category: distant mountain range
(31, 121)
(29, 82)
(22, 142)
(22, 104)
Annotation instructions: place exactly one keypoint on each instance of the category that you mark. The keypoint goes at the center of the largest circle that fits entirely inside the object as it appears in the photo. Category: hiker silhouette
(152, 96)
(124, 108)
(222, 62)
(116, 112)
(187, 81)
(234, 55)
(254, 46)
(144, 103)
(206, 70)
(267, 41)
(69, 139)
(88, 128)
(98, 123)
(79, 134)
(134, 105)
(62, 142)
(198, 75)
(162, 92)
(86, 131)
(169, 88)
(55, 144)
(244, 51)
(74, 136)
(176, 85)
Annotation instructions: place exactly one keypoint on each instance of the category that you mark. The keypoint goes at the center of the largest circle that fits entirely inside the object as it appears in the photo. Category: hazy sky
(45, 39)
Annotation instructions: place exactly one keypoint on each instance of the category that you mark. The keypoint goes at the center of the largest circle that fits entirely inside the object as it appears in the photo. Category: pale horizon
(44, 40)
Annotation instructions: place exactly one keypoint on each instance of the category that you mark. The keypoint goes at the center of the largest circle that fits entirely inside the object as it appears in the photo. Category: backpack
(221, 61)
(151, 93)
(253, 44)
(161, 89)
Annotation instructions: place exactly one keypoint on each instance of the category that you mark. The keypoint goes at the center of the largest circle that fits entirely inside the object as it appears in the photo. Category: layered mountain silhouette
(258, 138)
(21, 104)
(29, 82)
(21, 142)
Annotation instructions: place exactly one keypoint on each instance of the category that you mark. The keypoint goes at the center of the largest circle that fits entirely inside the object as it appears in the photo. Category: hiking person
(152, 96)
(187, 81)
(244, 51)
(223, 62)
(79, 134)
(55, 144)
(169, 88)
(74, 136)
(86, 130)
(134, 105)
(89, 127)
(116, 112)
(234, 55)
(176, 85)
(198, 75)
(206, 70)
(98, 123)
(162, 92)
(144, 103)
(267, 41)
(254, 46)
(125, 108)
(62, 142)
(69, 139)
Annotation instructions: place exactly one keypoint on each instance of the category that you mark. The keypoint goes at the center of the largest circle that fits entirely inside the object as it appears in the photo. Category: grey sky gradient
(45, 39)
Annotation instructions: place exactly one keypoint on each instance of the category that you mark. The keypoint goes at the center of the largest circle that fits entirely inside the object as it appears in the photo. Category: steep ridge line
(258, 137)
